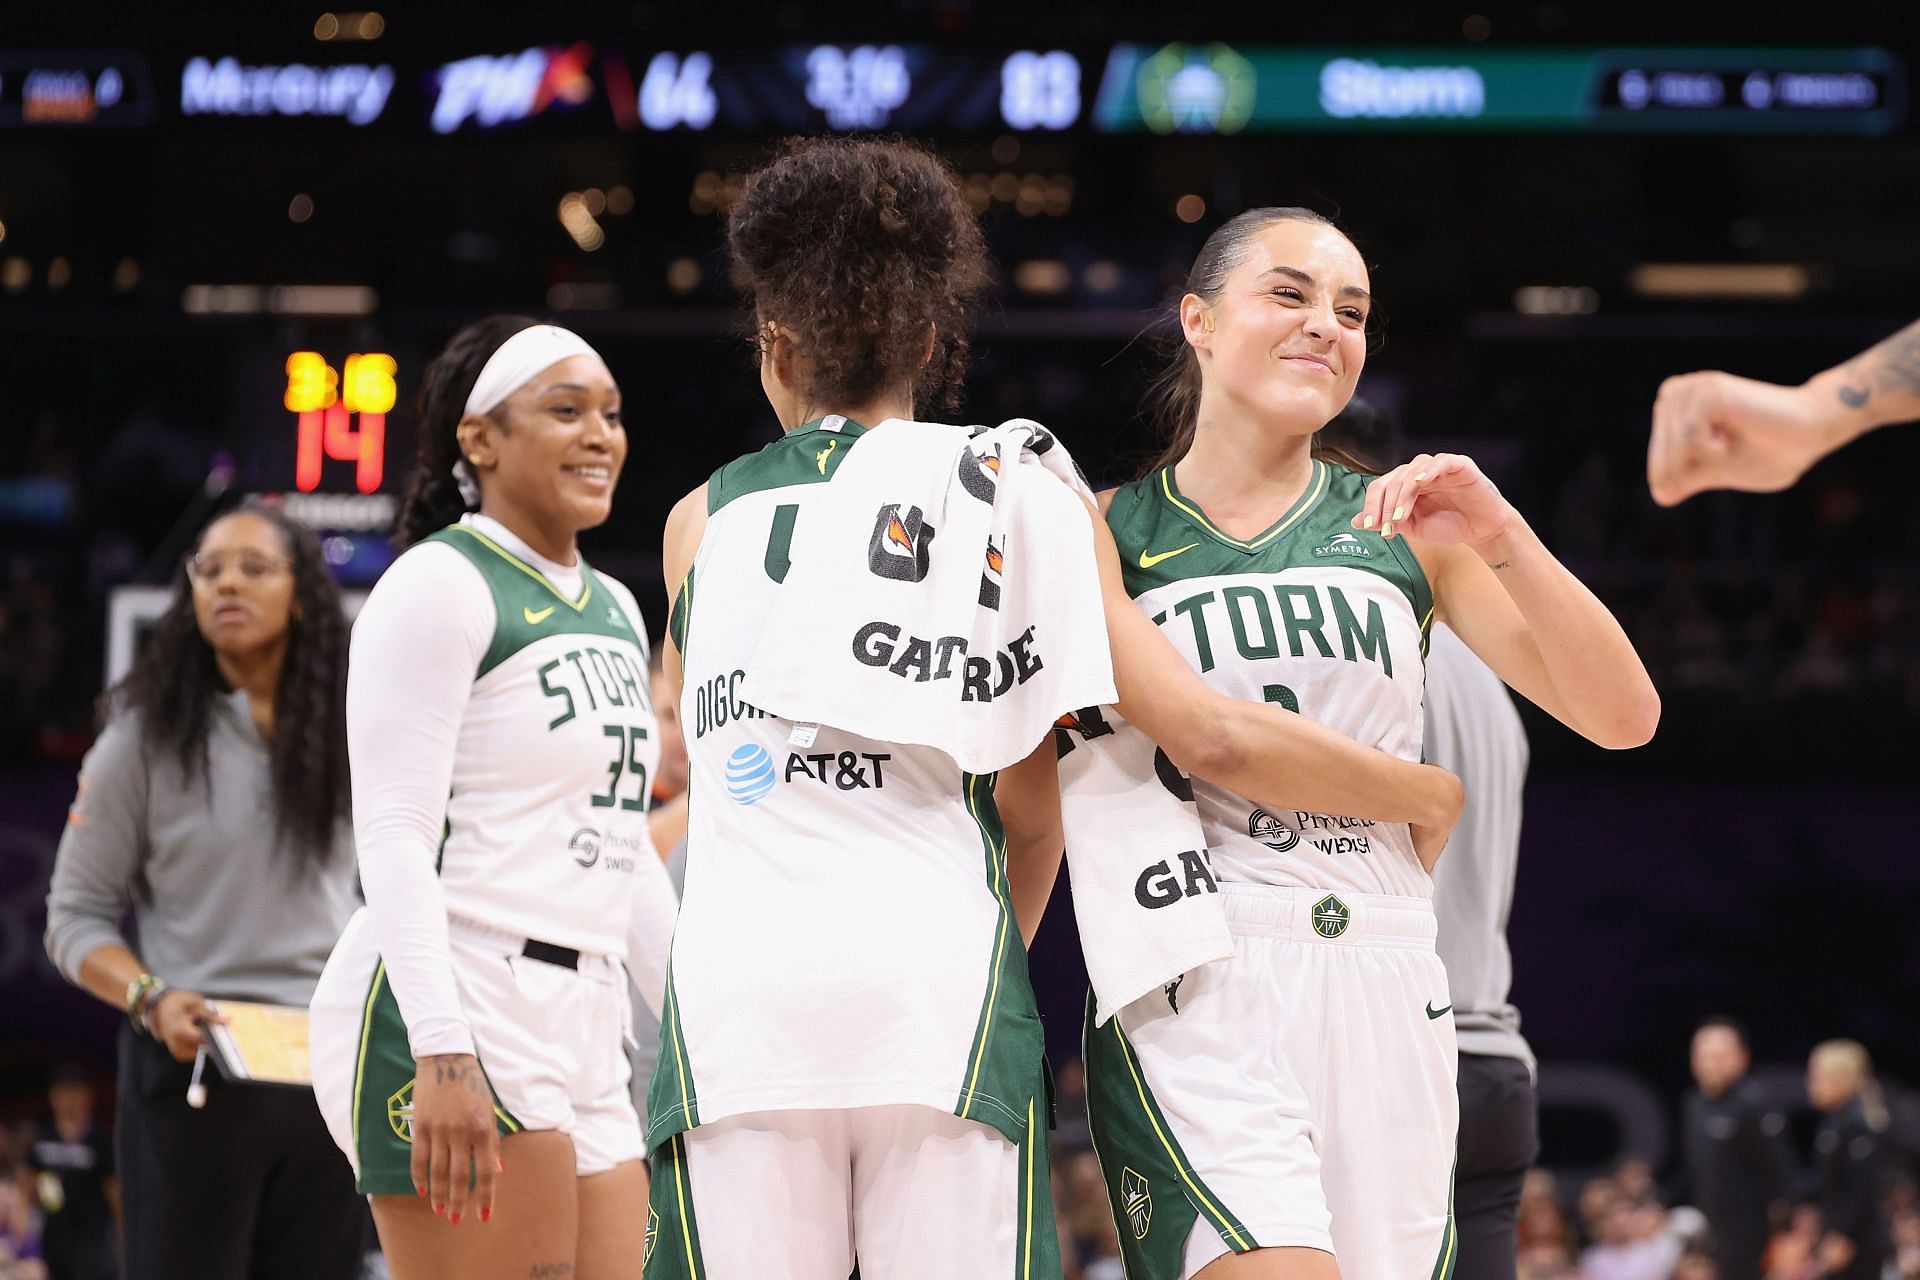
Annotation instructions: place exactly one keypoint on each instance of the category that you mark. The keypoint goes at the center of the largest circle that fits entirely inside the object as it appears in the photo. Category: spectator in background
(69, 1171)
(1738, 1171)
(1851, 1160)
(215, 803)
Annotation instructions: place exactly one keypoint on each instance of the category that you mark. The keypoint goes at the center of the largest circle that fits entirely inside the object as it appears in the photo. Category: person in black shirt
(1737, 1166)
(71, 1163)
(1850, 1154)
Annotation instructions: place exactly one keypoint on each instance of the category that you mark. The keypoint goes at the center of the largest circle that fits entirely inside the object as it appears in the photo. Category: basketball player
(467, 1034)
(1291, 1112)
(851, 1061)
(1715, 431)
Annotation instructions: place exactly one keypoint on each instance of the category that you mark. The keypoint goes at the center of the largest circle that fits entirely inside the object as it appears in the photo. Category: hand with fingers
(1437, 497)
(456, 1149)
(1716, 431)
(176, 1019)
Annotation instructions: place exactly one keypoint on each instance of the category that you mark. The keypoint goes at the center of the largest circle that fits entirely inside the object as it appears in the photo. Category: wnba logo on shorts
(749, 774)
(1137, 1200)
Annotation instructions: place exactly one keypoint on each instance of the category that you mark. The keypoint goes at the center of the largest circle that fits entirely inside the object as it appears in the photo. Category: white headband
(519, 359)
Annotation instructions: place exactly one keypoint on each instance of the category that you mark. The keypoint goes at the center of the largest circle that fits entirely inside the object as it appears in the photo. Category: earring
(474, 458)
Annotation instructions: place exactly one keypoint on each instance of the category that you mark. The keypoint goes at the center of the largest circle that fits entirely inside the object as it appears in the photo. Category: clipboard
(263, 1043)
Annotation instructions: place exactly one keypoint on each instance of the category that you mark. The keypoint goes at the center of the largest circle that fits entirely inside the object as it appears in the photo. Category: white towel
(1144, 894)
(945, 594)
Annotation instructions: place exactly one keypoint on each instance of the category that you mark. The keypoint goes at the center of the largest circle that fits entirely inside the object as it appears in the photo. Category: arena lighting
(1043, 276)
(281, 300)
(1190, 208)
(1556, 300)
(3, 233)
(59, 273)
(579, 222)
(1720, 279)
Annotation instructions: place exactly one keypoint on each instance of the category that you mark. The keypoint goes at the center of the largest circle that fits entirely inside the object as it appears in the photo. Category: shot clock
(341, 414)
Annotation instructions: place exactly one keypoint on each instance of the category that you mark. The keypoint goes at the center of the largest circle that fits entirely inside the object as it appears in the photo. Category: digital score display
(341, 416)
(1222, 89)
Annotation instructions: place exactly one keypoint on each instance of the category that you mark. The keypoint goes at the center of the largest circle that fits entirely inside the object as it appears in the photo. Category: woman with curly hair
(469, 1032)
(215, 803)
(851, 1058)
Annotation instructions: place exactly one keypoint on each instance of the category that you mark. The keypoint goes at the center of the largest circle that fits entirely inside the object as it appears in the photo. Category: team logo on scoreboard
(400, 1112)
(1137, 1200)
(1331, 917)
(1196, 90)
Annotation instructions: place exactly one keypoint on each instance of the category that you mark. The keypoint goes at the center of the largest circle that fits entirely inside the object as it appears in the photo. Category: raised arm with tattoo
(1716, 431)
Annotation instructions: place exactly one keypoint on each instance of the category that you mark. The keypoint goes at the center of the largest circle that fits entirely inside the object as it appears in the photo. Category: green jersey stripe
(586, 585)
(1309, 498)
(994, 839)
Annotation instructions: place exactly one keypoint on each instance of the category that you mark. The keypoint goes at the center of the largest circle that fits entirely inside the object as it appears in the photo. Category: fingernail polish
(455, 1219)
(486, 1215)
(440, 1209)
(421, 1190)
(502, 1164)
(1399, 513)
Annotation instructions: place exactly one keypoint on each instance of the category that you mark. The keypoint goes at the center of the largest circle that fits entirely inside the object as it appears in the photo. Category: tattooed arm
(1716, 431)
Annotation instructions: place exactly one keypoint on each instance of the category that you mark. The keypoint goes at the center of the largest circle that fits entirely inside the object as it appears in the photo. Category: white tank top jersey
(1325, 620)
(846, 937)
(560, 695)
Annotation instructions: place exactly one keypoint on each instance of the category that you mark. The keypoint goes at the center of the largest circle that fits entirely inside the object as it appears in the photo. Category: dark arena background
(210, 215)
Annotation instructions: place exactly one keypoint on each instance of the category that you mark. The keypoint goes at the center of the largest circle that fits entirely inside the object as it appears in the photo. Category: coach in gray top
(215, 803)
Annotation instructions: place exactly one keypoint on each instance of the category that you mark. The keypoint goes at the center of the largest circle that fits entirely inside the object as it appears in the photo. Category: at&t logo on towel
(749, 774)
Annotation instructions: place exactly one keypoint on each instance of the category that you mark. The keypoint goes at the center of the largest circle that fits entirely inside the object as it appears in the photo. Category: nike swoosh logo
(1147, 561)
(536, 616)
(1435, 1013)
(822, 456)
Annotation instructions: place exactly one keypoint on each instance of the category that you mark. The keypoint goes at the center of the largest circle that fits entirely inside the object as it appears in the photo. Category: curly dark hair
(858, 248)
(174, 681)
(1174, 395)
(433, 498)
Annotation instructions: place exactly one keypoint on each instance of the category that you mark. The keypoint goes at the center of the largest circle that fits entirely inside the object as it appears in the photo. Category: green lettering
(1202, 643)
(561, 692)
(1307, 622)
(1269, 646)
(780, 541)
(593, 704)
(1370, 640)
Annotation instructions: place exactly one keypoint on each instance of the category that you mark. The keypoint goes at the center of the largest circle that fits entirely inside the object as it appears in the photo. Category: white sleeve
(655, 904)
(416, 646)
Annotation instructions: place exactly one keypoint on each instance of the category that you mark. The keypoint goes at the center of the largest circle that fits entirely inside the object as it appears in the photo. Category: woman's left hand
(1439, 498)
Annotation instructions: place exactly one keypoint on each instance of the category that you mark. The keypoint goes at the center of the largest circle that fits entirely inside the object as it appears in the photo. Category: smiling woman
(467, 1034)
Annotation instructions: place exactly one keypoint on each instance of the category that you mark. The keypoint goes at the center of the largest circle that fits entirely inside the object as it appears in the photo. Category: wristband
(137, 992)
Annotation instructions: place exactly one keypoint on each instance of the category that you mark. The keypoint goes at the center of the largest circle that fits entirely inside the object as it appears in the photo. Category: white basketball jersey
(1313, 615)
(846, 936)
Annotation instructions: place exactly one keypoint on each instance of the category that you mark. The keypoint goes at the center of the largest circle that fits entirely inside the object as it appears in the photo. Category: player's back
(845, 937)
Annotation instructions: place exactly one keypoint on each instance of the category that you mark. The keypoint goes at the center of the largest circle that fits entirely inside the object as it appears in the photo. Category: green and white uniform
(846, 941)
(502, 736)
(1301, 1092)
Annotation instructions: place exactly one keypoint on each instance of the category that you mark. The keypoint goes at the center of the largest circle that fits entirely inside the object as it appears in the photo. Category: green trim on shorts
(672, 1250)
(1036, 1238)
(383, 1077)
(1450, 1239)
(1008, 1053)
(1141, 1161)
(673, 1100)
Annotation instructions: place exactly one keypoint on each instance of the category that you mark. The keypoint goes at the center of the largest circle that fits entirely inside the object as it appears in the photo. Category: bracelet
(137, 992)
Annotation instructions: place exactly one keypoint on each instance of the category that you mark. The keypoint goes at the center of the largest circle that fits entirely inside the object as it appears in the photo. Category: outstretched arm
(1716, 431)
